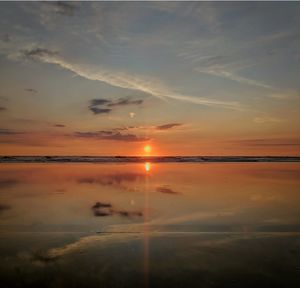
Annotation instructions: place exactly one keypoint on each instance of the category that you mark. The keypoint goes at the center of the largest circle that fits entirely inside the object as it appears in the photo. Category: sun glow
(147, 148)
(147, 166)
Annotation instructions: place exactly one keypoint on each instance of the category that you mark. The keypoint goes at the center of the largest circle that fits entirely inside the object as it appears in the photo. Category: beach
(172, 224)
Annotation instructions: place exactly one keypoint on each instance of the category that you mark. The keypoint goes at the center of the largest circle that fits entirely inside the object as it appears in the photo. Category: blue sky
(227, 72)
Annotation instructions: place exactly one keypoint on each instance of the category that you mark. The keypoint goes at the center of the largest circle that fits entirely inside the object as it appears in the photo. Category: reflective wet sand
(150, 225)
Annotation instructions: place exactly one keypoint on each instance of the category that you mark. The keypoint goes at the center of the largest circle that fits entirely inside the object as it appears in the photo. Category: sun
(147, 148)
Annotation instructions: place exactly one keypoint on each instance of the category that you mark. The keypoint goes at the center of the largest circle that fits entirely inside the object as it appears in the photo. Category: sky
(186, 78)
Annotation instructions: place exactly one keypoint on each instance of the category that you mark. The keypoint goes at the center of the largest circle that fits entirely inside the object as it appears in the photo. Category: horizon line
(142, 159)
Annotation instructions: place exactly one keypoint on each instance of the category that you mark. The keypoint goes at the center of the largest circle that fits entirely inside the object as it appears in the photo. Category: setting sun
(147, 148)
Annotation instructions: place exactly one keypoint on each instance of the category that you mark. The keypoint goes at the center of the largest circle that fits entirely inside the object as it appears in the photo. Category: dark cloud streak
(38, 53)
(4, 207)
(101, 209)
(111, 135)
(31, 90)
(166, 190)
(97, 111)
(106, 105)
(167, 126)
(125, 101)
(95, 102)
(6, 131)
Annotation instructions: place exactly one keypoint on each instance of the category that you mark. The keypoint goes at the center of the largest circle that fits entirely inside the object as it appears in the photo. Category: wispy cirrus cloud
(268, 119)
(236, 55)
(61, 7)
(136, 82)
(227, 67)
(220, 72)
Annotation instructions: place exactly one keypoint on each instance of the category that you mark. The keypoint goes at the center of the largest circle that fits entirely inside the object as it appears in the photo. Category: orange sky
(185, 78)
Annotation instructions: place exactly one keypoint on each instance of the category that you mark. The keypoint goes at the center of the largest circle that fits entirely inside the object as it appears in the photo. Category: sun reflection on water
(147, 166)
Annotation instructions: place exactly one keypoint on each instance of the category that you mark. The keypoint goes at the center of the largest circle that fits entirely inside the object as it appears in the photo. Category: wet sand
(173, 225)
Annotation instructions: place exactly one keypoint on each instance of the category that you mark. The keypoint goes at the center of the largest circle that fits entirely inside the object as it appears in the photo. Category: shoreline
(142, 159)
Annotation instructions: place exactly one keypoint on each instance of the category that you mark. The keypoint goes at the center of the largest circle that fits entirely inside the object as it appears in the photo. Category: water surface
(150, 224)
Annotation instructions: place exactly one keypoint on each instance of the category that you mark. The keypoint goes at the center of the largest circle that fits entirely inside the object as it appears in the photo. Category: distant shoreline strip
(137, 159)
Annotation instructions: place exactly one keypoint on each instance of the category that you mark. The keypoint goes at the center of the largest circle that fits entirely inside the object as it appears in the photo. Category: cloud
(31, 90)
(207, 58)
(166, 190)
(101, 209)
(59, 125)
(116, 133)
(3, 98)
(5, 131)
(128, 214)
(268, 119)
(150, 86)
(125, 101)
(97, 110)
(4, 207)
(49, 12)
(38, 53)
(216, 56)
(167, 126)
(2, 109)
(7, 183)
(111, 135)
(95, 103)
(100, 213)
(43, 258)
(6, 38)
(101, 205)
(268, 142)
(220, 72)
(113, 179)
(62, 7)
(203, 12)
(107, 238)
(32, 138)
(120, 181)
